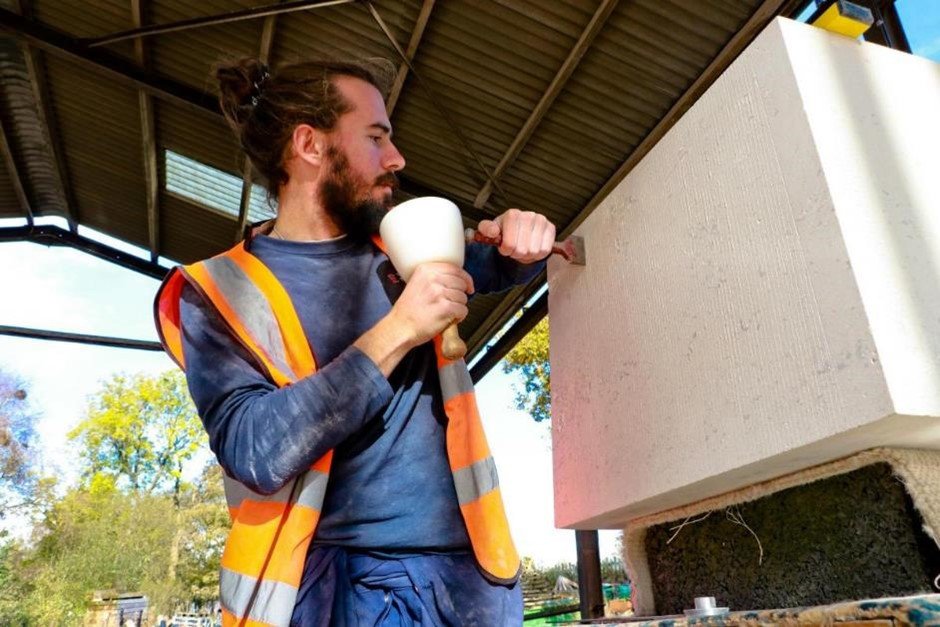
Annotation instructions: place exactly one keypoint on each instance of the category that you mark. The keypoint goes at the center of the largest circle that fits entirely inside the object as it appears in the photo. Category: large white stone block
(762, 291)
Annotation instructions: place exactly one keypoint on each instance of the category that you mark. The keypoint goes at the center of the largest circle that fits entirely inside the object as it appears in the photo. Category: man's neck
(301, 216)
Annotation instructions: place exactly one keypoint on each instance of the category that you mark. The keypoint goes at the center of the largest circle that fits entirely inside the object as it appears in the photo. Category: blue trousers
(343, 588)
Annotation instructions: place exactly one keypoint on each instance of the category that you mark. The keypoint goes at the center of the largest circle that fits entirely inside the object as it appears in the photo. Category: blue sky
(921, 20)
(64, 289)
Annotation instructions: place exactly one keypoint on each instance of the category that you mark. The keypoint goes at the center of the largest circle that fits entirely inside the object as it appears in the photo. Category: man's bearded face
(347, 197)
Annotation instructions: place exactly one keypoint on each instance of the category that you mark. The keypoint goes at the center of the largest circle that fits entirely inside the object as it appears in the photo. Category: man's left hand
(527, 236)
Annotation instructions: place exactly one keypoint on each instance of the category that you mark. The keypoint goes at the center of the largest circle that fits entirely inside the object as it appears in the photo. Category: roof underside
(509, 103)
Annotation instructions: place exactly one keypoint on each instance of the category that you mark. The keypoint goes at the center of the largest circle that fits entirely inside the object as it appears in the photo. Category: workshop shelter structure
(110, 122)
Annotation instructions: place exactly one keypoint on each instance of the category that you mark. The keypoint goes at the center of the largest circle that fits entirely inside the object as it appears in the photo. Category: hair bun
(240, 88)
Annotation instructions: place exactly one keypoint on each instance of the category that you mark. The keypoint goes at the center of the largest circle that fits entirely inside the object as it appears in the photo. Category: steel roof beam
(264, 55)
(116, 67)
(416, 34)
(244, 202)
(567, 68)
(510, 304)
(149, 140)
(888, 30)
(494, 353)
(36, 70)
(80, 338)
(49, 235)
(10, 163)
(214, 20)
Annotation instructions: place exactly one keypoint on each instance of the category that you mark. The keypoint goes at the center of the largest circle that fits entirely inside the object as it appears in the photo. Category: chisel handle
(567, 249)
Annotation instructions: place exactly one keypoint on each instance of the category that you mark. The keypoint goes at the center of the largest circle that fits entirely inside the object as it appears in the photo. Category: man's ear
(309, 143)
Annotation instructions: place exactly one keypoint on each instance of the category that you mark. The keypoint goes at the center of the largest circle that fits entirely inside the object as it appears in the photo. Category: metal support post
(589, 575)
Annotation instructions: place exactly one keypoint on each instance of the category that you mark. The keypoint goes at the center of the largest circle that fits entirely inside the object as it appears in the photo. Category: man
(360, 484)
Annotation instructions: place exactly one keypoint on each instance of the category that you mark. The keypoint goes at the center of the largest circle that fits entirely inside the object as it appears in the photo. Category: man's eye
(375, 138)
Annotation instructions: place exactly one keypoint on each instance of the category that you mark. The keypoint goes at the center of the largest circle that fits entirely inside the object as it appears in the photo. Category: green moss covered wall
(852, 536)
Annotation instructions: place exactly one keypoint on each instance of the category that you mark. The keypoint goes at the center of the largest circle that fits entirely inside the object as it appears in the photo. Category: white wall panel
(762, 291)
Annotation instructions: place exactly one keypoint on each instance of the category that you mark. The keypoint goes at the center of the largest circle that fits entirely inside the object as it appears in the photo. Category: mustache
(389, 179)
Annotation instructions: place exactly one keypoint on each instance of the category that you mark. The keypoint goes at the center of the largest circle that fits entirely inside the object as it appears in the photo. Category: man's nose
(393, 161)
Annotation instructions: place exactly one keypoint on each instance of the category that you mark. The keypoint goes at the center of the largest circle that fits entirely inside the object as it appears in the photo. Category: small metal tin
(705, 606)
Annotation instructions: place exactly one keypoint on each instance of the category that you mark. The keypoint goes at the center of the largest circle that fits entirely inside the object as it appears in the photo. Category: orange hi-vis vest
(266, 548)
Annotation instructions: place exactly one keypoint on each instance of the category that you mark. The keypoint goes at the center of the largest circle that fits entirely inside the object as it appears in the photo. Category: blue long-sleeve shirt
(390, 487)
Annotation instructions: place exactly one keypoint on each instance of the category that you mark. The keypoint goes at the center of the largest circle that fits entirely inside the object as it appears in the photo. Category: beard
(348, 200)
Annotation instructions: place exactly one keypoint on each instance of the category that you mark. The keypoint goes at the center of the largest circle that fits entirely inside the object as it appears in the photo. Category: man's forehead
(366, 100)
(359, 90)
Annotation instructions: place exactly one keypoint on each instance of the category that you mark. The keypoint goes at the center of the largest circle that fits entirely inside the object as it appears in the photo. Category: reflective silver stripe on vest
(310, 492)
(475, 480)
(252, 307)
(273, 603)
(455, 379)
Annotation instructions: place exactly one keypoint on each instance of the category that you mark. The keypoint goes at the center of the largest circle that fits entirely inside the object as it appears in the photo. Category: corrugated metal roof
(9, 205)
(19, 111)
(188, 56)
(99, 125)
(93, 18)
(487, 64)
(187, 228)
(638, 66)
(341, 31)
(199, 136)
(490, 65)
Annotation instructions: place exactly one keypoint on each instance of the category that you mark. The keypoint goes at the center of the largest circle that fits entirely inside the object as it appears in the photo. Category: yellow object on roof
(845, 18)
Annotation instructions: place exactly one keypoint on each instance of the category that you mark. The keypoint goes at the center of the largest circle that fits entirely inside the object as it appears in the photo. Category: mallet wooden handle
(572, 249)
(452, 346)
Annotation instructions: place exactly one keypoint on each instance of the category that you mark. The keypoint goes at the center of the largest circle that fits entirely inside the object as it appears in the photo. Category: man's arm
(264, 436)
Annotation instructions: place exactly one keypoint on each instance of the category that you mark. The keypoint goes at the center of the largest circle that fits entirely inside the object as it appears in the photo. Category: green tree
(98, 537)
(205, 523)
(13, 585)
(529, 358)
(132, 524)
(140, 431)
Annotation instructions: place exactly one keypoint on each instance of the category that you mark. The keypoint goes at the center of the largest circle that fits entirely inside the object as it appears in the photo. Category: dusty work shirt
(390, 490)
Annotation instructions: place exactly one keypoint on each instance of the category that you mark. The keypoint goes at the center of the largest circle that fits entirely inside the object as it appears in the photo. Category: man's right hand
(435, 296)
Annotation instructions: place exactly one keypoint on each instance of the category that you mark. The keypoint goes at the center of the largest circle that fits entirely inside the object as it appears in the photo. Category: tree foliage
(98, 539)
(12, 611)
(19, 459)
(529, 358)
(204, 523)
(132, 524)
(140, 431)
